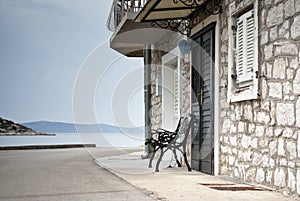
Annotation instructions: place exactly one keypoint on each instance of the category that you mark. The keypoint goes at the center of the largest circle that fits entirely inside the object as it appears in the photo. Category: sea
(99, 139)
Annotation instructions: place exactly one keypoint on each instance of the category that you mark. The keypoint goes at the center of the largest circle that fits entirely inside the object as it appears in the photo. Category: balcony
(129, 37)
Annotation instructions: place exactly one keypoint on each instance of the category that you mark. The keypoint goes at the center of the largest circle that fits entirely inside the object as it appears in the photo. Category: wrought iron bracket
(189, 2)
(212, 6)
(183, 26)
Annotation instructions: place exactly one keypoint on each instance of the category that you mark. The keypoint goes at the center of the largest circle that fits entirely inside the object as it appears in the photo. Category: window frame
(245, 88)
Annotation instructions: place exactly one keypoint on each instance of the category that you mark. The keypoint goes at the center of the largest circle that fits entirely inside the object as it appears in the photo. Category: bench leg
(151, 159)
(186, 162)
(159, 160)
(176, 158)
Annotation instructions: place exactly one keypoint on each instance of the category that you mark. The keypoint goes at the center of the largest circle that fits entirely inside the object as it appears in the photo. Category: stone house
(234, 65)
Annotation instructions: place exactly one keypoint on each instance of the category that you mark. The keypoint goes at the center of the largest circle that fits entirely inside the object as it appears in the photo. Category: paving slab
(175, 184)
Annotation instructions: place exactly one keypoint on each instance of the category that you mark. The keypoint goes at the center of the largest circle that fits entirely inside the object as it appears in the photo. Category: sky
(56, 65)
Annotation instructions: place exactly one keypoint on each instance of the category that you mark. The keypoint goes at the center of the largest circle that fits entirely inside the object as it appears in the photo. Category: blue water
(100, 139)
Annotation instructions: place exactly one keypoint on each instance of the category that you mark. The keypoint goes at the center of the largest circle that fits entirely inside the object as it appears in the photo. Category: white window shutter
(243, 55)
(245, 47)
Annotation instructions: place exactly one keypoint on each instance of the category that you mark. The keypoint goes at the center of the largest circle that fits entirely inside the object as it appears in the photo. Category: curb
(59, 146)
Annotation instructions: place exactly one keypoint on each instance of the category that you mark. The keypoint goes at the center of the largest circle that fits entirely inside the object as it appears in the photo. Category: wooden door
(202, 100)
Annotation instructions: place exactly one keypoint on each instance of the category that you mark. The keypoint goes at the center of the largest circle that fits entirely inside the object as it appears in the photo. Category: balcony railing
(120, 8)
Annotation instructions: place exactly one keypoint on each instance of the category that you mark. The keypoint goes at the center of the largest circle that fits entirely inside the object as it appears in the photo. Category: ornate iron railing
(120, 8)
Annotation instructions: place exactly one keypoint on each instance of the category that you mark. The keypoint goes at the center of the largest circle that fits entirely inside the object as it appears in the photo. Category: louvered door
(202, 101)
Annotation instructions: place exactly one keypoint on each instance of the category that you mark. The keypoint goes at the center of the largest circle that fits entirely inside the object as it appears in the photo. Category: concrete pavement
(71, 174)
(175, 184)
(62, 174)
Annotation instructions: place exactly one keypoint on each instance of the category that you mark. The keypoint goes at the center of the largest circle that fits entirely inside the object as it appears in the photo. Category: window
(242, 54)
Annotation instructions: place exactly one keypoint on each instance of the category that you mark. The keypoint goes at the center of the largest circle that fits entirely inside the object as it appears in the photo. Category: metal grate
(234, 187)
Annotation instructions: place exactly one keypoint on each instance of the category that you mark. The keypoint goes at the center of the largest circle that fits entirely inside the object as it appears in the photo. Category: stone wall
(260, 139)
(162, 47)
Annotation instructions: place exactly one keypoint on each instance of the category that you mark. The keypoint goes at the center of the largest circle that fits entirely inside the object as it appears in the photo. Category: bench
(165, 140)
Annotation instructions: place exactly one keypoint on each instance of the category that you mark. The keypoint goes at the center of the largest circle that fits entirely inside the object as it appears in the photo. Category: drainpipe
(147, 89)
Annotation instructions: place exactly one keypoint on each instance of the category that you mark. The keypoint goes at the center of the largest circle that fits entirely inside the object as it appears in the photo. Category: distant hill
(8, 127)
(59, 127)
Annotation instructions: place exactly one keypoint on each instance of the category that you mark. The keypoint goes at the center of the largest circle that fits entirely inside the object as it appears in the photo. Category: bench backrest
(183, 129)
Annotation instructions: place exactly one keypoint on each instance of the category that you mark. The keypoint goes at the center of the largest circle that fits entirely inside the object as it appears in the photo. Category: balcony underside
(129, 38)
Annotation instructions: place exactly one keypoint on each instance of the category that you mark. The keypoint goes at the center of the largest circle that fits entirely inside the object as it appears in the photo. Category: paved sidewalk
(175, 184)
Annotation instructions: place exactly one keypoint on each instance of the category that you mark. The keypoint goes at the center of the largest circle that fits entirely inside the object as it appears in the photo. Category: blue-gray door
(202, 149)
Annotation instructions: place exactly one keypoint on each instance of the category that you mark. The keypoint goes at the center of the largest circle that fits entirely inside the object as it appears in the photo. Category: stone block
(298, 181)
(288, 90)
(290, 74)
(270, 132)
(291, 164)
(273, 147)
(294, 62)
(278, 132)
(248, 112)
(265, 161)
(269, 176)
(264, 38)
(275, 90)
(291, 180)
(298, 144)
(268, 51)
(263, 117)
(285, 48)
(288, 133)
(298, 112)
(273, 34)
(289, 8)
(282, 162)
(251, 128)
(275, 15)
(295, 31)
(226, 126)
(263, 143)
(279, 68)
(246, 141)
(257, 159)
(297, 5)
(260, 176)
(272, 163)
(285, 114)
(279, 177)
(250, 173)
(254, 143)
(281, 150)
(233, 128)
(273, 113)
(284, 30)
(264, 89)
(231, 160)
(224, 149)
(291, 148)
(259, 131)
(266, 105)
(269, 69)
(296, 83)
(233, 140)
(241, 127)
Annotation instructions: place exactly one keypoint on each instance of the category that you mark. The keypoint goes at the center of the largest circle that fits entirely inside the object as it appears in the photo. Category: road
(62, 174)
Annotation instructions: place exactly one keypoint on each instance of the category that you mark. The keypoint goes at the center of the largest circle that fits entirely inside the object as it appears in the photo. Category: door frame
(166, 116)
(213, 19)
